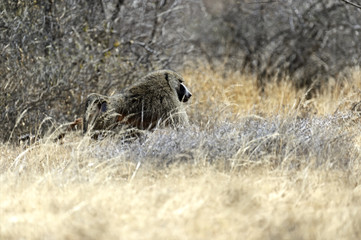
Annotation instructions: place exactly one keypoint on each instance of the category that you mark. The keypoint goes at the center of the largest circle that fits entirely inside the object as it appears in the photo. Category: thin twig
(261, 2)
(351, 3)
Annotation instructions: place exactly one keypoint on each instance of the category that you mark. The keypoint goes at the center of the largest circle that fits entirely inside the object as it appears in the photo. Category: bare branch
(261, 2)
(351, 3)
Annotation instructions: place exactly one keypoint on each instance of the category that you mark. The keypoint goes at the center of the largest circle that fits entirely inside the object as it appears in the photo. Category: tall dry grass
(253, 165)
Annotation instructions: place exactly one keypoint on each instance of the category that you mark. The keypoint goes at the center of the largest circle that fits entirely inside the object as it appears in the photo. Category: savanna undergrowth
(252, 165)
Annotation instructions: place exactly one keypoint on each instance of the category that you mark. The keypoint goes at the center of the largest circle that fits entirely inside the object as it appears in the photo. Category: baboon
(155, 99)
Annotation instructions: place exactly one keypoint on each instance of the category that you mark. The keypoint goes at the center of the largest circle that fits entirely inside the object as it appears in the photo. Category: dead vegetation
(260, 159)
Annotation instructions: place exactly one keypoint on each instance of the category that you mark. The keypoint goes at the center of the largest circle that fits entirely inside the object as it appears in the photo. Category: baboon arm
(120, 118)
(77, 123)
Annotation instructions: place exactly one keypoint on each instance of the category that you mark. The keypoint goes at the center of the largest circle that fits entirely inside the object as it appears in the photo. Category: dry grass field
(252, 165)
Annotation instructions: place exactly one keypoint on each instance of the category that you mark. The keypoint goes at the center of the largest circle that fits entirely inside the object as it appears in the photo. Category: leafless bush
(306, 40)
(53, 53)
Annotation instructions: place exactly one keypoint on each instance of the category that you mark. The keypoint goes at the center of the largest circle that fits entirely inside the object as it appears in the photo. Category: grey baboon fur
(153, 100)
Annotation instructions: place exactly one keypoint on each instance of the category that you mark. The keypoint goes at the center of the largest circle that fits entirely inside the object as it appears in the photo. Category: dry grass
(239, 94)
(252, 166)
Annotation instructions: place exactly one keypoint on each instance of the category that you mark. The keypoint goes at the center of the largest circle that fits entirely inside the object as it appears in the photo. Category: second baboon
(156, 99)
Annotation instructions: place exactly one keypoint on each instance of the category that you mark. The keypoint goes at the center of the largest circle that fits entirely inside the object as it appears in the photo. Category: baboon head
(176, 83)
(157, 97)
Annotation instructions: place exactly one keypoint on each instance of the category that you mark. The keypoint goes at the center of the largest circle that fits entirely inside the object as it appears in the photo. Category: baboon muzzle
(184, 94)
